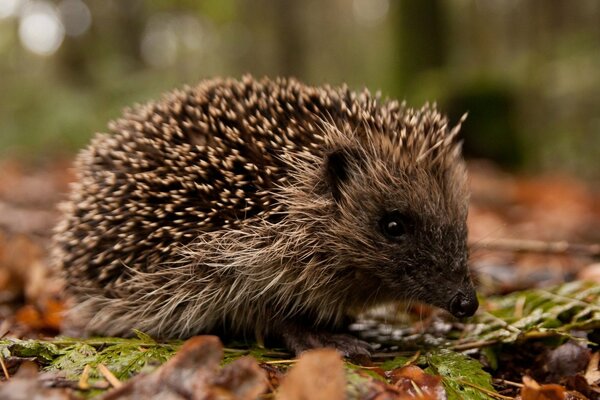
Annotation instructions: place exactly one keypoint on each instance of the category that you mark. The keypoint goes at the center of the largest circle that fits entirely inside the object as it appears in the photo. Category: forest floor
(535, 252)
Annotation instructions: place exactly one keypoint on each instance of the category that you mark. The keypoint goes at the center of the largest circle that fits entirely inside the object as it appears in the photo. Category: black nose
(463, 305)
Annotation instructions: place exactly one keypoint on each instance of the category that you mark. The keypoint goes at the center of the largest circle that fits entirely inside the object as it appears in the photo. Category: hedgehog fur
(245, 206)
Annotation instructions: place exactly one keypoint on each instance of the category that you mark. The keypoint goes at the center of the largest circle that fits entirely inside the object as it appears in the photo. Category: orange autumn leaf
(534, 391)
(47, 316)
(414, 383)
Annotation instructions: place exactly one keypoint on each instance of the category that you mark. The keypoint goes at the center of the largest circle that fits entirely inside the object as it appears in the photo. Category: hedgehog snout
(464, 303)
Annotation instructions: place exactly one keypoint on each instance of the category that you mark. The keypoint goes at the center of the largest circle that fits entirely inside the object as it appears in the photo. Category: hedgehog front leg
(299, 338)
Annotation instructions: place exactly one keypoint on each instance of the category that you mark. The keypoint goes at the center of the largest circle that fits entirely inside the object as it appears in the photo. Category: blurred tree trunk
(277, 37)
(73, 60)
(288, 30)
(129, 23)
(421, 29)
(123, 30)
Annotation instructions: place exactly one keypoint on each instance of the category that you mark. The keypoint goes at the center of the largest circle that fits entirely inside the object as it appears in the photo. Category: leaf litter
(537, 340)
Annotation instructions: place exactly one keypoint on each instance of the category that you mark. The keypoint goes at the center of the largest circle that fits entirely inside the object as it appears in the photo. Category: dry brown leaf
(318, 375)
(414, 383)
(274, 376)
(19, 262)
(46, 317)
(561, 205)
(22, 270)
(590, 273)
(243, 379)
(194, 374)
(532, 390)
(592, 374)
(26, 385)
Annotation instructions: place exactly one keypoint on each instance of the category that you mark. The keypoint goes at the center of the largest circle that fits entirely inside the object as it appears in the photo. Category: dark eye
(393, 225)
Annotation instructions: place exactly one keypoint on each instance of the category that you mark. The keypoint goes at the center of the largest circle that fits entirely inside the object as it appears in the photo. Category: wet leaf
(462, 376)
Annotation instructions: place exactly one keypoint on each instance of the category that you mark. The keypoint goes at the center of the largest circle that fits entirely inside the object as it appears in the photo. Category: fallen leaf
(592, 374)
(47, 316)
(194, 374)
(567, 359)
(243, 379)
(318, 375)
(532, 390)
(274, 376)
(26, 385)
(414, 383)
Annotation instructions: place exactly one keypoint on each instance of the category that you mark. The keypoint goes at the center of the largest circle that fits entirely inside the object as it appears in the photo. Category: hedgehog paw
(348, 345)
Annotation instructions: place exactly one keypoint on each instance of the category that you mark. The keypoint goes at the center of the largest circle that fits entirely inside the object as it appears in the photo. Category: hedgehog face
(405, 228)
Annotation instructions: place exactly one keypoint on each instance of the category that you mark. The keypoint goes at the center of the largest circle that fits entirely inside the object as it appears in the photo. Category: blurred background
(527, 71)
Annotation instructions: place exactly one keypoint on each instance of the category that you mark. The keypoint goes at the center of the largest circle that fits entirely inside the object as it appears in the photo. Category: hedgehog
(265, 207)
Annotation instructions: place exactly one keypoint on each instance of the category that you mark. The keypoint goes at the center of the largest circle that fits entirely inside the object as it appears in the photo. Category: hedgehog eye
(393, 224)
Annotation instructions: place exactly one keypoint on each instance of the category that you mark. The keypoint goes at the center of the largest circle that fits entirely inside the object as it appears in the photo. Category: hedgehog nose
(463, 305)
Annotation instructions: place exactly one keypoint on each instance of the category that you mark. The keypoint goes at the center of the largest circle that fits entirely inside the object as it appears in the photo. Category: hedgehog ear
(337, 171)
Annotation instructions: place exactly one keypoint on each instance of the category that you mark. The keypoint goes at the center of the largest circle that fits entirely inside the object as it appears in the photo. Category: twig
(538, 246)
(83, 383)
(280, 362)
(484, 390)
(4, 369)
(509, 383)
(502, 323)
(533, 334)
(417, 389)
(116, 383)
(392, 354)
(413, 359)
(474, 345)
(520, 306)
(567, 300)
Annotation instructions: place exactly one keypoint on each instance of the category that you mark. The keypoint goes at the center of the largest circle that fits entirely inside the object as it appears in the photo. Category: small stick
(537, 246)
(272, 362)
(484, 390)
(474, 345)
(83, 380)
(4, 369)
(510, 383)
(413, 359)
(116, 383)
(417, 389)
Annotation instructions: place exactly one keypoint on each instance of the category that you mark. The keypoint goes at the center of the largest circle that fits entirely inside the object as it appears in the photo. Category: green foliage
(43, 351)
(536, 313)
(396, 362)
(531, 314)
(123, 357)
(462, 376)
